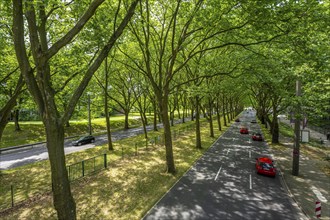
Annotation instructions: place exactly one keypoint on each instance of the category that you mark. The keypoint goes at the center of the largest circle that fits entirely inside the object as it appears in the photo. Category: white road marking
(249, 154)
(216, 177)
(319, 194)
(250, 181)
(227, 151)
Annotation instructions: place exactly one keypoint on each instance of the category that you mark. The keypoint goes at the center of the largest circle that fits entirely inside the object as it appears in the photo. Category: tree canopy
(160, 56)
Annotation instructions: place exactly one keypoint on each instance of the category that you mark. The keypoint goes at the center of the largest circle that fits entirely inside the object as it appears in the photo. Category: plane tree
(166, 31)
(53, 27)
(11, 80)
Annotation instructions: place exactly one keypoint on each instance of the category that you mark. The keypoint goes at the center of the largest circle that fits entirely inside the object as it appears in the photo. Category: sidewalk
(312, 184)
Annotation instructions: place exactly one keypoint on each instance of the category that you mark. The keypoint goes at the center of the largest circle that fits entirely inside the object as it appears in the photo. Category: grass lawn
(32, 132)
(126, 190)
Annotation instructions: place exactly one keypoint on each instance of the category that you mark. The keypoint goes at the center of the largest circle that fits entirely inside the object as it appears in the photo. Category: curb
(285, 185)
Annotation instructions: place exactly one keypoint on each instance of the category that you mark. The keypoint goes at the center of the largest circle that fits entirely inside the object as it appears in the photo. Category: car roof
(265, 159)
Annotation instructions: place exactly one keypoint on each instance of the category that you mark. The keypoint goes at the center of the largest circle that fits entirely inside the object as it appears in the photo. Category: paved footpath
(310, 186)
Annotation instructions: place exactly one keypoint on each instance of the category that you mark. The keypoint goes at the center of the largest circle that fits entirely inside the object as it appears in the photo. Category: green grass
(33, 132)
(313, 148)
(126, 190)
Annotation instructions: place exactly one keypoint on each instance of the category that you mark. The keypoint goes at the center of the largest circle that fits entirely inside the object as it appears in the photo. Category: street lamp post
(296, 147)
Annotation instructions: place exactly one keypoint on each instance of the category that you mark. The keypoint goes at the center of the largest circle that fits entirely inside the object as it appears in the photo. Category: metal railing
(13, 195)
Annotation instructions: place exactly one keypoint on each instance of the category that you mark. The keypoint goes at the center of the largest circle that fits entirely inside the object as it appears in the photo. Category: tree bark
(10, 104)
(16, 120)
(224, 111)
(218, 116)
(163, 101)
(62, 197)
(211, 118)
(198, 129)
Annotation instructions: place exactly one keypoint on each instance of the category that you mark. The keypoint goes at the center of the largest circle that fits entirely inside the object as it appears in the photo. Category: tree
(39, 80)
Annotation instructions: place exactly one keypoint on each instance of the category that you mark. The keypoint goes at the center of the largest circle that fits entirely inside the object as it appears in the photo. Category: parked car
(237, 120)
(253, 121)
(244, 130)
(256, 137)
(84, 140)
(265, 165)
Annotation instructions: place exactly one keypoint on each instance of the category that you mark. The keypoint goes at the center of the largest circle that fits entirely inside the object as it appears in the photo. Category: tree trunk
(210, 118)
(224, 112)
(16, 120)
(126, 125)
(218, 117)
(144, 125)
(6, 109)
(155, 115)
(275, 132)
(198, 129)
(62, 197)
(167, 134)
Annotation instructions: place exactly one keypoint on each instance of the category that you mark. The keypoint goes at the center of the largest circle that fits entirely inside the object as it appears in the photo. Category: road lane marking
(216, 177)
(249, 154)
(250, 181)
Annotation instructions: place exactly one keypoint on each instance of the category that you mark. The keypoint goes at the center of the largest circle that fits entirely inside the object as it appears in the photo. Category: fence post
(94, 163)
(12, 195)
(105, 160)
(83, 167)
(136, 149)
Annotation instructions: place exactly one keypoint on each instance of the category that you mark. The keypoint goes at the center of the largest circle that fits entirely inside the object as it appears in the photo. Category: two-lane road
(223, 184)
(38, 152)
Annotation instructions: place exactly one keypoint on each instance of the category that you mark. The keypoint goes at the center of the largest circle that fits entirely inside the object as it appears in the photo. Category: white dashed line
(250, 181)
(216, 177)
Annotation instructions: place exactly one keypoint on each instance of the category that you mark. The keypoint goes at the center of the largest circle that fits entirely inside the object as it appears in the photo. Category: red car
(244, 130)
(264, 165)
(256, 137)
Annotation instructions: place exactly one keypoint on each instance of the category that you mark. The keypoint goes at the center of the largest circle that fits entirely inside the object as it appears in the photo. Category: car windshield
(266, 165)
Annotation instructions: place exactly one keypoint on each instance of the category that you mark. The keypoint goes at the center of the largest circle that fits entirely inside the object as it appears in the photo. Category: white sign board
(304, 134)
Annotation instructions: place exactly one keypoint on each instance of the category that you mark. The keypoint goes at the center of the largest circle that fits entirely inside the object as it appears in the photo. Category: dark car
(253, 121)
(237, 120)
(244, 130)
(256, 137)
(264, 165)
(84, 140)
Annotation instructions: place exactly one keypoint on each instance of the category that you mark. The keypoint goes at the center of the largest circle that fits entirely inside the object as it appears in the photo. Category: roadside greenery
(313, 148)
(158, 57)
(33, 132)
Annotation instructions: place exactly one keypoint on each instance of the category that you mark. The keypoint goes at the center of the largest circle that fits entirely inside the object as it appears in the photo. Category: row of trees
(173, 56)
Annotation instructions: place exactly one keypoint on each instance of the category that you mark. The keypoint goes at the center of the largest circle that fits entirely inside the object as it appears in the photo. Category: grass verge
(312, 149)
(126, 190)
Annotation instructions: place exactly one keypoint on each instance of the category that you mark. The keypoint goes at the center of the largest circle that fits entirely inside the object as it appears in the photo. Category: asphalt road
(23, 156)
(223, 184)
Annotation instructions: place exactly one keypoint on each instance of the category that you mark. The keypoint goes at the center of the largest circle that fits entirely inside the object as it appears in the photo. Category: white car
(282, 117)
